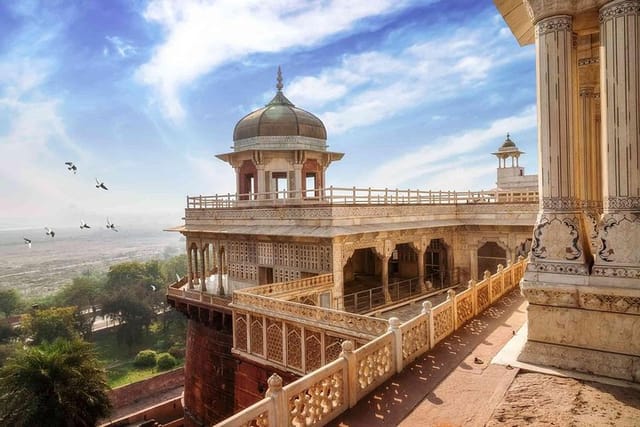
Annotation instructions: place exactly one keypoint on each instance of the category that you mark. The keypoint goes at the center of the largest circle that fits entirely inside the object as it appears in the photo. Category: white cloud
(371, 86)
(211, 176)
(202, 35)
(120, 46)
(442, 156)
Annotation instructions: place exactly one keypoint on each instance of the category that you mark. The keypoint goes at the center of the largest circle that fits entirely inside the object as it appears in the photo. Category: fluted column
(558, 239)
(619, 227)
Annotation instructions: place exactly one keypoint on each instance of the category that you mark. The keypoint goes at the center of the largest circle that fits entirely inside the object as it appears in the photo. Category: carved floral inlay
(556, 238)
(619, 236)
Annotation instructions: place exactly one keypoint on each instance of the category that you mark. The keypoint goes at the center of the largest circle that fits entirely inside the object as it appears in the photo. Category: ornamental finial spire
(507, 135)
(279, 86)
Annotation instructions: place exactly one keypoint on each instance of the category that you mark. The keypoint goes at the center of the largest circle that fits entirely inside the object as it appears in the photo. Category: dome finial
(279, 86)
(507, 135)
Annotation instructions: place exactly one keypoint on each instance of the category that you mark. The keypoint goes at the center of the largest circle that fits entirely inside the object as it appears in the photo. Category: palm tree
(57, 384)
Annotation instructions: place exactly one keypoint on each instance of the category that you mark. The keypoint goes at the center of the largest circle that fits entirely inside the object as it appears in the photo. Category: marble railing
(321, 395)
(359, 196)
(284, 288)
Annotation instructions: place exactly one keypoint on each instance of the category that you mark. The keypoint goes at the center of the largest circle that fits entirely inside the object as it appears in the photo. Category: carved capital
(623, 203)
(619, 8)
(553, 24)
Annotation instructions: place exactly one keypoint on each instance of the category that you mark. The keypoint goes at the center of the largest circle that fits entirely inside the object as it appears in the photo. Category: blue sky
(143, 93)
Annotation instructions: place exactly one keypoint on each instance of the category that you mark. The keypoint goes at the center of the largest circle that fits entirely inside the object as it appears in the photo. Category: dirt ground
(546, 400)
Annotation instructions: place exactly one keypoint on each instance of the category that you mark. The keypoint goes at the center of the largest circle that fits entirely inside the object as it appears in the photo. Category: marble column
(618, 256)
(203, 270)
(297, 180)
(558, 238)
(385, 277)
(220, 271)
(189, 266)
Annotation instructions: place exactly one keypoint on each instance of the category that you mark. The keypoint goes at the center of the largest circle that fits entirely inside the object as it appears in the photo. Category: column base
(612, 365)
(584, 328)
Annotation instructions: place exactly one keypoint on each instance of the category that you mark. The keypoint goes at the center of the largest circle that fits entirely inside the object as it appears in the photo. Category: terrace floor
(449, 387)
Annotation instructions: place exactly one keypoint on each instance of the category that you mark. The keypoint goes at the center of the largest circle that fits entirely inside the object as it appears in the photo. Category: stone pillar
(618, 256)
(589, 174)
(385, 277)
(189, 266)
(297, 180)
(261, 177)
(203, 270)
(220, 271)
(558, 237)
(421, 251)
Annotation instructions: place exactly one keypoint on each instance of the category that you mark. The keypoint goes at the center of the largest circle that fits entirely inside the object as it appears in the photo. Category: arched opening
(436, 264)
(403, 272)
(490, 255)
(363, 281)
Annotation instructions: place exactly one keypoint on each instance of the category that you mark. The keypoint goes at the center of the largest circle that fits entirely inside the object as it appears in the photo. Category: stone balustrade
(359, 196)
(320, 396)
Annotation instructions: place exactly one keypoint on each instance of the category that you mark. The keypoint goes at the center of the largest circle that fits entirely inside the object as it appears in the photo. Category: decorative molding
(623, 203)
(615, 303)
(622, 272)
(555, 297)
(614, 10)
(553, 24)
(558, 268)
(561, 203)
(588, 61)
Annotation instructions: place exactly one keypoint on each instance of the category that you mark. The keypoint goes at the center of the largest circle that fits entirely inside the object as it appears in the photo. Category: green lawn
(118, 359)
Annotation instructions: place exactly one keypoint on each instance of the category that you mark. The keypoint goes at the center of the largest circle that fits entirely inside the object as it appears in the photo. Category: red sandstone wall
(131, 393)
(209, 373)
(251, 383)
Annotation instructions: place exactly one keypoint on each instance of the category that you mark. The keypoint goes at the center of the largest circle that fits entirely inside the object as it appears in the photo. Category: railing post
(427, 307)
(279, 399)
(474, 296)
(369, 197)
(451, 296)
(354, 195)
(394, 326)
(352, 372)
(385, 195)
(331, 194)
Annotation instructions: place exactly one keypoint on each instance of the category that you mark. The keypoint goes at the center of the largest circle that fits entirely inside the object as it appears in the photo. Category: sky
(141, 94)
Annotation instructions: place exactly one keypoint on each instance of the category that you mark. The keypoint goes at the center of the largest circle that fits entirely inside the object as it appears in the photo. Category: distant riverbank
(51, 263)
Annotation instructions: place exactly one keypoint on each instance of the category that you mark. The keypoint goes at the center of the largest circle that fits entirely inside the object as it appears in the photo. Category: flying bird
(71, 167)
(153, 287)
(50, 232)
(100, 184)
(27, 242)
(111, 225)
(83, 224)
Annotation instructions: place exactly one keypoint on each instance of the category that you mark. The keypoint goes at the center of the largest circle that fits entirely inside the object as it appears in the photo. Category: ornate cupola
(512, 177)
(279, 151)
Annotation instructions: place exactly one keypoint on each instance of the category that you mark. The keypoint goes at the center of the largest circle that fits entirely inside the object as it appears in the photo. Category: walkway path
(446, 387)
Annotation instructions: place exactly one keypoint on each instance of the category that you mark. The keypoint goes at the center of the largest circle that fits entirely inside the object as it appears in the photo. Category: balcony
(342, 211)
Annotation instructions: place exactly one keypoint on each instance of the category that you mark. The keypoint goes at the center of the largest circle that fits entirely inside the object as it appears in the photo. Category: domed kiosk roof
(279, 118)
(508, 147)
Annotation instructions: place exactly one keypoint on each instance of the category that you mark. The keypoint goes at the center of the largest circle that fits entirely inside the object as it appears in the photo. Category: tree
(133, 314)
(9, 301)
(57, 384)
(84, 292)
(52, 323)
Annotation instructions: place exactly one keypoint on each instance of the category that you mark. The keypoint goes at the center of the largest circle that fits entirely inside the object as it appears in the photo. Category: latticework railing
(359, 196)
(320, 396)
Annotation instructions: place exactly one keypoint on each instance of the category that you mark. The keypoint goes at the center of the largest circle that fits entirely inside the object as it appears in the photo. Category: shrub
(166, 361)
(177, 351)
(145, 359)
